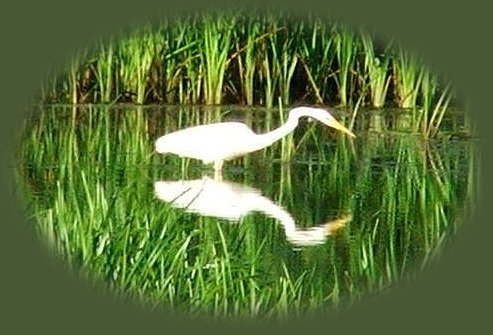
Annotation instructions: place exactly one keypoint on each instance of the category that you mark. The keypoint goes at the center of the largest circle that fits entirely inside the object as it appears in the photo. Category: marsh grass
(137, 54)
(317, 55)
(346, 49)
(431, 125)
(246, 57)
(174, 77)
(408, 73)
(88, 174)
(252, 59)
(376, 66)
(215, 46)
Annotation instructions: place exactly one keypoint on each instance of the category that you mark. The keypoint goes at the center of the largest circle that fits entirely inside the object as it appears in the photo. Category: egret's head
(321, 115)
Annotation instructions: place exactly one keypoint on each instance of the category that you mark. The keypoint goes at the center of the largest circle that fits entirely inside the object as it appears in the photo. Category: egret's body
(218, 142)
(210, 143)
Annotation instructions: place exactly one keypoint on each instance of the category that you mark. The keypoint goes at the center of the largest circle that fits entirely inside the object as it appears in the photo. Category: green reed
(433, 110)
(284, 62)
(215, 46)
(268, 78)
(252, 59)
(104, 72)
(194, 83)
(346, 49)
(408, 74)
(136, 55)
(317, 55)
(76, 80)
(185, 70)
(173, 64)
(246, 57)
(376, 66)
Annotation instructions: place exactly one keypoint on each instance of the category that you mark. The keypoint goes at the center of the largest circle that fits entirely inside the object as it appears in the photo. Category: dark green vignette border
(37, 295)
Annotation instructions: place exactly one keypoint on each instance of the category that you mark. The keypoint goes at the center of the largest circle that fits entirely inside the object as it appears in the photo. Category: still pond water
(311, 223)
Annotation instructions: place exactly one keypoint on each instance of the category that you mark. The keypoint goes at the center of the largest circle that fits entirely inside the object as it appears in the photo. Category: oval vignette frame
(63, 287)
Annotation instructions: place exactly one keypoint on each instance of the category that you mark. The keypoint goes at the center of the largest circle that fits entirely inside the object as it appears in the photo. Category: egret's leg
(218, 165)
(218, 176)
(217, 170)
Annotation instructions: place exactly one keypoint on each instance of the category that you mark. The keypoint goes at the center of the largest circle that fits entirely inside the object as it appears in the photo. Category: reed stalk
(283, 61)
(181, 63)
(247, 63)
(104, 72)
(408, 75)
(346, 48)
(438, 112)
(215, 48)
(376, 67)
(136, 55)
(317, 56)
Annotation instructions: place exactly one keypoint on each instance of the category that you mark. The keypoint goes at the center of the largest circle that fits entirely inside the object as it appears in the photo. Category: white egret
(217, 142)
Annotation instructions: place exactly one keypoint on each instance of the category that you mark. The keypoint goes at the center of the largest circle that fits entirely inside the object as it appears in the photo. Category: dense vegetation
(249, 59)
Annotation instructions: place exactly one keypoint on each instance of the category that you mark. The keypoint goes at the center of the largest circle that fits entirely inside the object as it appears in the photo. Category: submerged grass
(89, 172)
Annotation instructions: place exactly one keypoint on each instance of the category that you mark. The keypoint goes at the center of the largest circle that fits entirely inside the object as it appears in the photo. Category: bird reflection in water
(231, 201)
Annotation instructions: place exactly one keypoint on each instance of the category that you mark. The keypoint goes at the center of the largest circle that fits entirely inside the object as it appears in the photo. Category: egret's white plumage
(218, 142)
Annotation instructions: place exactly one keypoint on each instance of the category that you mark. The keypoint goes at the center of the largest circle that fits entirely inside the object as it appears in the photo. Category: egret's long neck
(264, 140)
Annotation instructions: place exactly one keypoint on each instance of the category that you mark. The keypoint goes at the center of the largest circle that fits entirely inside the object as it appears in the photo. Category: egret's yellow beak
(338, 126)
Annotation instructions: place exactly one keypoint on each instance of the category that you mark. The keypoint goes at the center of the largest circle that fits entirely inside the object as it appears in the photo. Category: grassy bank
(249, 59)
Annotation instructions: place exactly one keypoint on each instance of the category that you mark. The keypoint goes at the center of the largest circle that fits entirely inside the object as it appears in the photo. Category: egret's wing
(210, 142)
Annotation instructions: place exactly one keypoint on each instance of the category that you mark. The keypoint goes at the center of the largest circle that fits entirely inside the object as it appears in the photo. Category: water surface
(313, 222)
